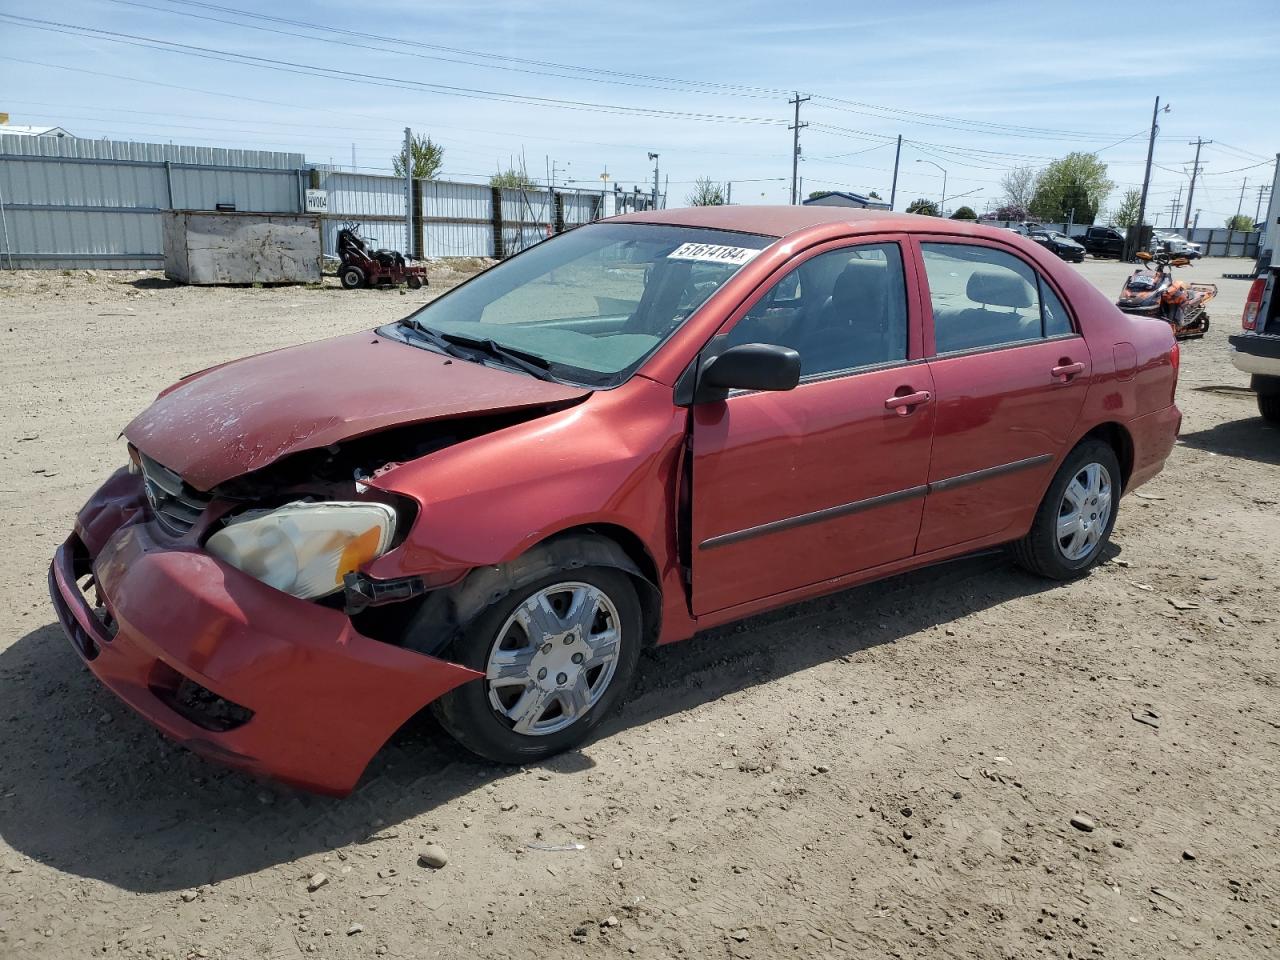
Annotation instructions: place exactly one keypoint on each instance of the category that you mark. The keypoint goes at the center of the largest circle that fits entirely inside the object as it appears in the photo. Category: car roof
(786, 221)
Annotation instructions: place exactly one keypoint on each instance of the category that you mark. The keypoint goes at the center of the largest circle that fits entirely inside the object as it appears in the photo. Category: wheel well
(645, 572)
(1118, 438)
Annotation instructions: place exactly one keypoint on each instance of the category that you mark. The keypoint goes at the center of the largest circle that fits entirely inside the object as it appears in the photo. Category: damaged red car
(634, 431)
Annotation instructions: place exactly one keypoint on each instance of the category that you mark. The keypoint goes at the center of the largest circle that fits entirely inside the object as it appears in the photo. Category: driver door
(793, 488)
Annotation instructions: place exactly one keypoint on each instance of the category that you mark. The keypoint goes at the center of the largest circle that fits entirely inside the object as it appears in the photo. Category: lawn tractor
(362, 267)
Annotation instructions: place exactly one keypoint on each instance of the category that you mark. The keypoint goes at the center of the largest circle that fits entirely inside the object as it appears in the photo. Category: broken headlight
(305, 549)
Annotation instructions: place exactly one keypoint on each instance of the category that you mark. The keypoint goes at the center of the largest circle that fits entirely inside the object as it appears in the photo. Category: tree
(1071, 188)
(1126, 214)
(1011, 211)
(815, 194)
(428, 157)
(512, 179)
(706, 193)
(964, 213)
(922, 206)
(1019, 186)
(874, 196)
(1240, 222)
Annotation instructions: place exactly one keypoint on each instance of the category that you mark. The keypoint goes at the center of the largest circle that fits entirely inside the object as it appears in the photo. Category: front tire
(352, 277)
(557, 652)
(1076, 516)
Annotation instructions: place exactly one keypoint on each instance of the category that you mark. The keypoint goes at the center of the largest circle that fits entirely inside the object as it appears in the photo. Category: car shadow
(90, 789)
(1250, 439)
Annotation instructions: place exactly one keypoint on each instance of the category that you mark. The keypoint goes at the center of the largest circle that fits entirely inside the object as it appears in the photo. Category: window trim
(911, 282)
(926, 297)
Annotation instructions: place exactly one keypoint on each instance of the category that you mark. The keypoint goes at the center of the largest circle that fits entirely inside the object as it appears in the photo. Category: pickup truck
(1255, 350)
(1101, 241)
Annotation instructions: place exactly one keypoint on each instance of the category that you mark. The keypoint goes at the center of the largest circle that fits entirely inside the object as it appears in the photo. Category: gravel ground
(960, 762)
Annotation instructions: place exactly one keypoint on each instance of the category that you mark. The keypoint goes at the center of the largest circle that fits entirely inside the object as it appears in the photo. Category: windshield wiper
(530, 363)
(433, 337)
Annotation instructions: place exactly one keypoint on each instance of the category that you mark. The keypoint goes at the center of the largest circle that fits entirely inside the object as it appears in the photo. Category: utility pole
(1131, 244)
(728, 196)
(795, 148)
(408, 193)
(1177, 205)
(893, 192)
(1257, 211)
(353, 158)
(1241, 203)
(654, 158)
(1195, 171)
(1195, 224)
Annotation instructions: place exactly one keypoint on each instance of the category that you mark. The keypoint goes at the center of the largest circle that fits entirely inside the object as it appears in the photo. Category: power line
(603, 75)
(305, 69)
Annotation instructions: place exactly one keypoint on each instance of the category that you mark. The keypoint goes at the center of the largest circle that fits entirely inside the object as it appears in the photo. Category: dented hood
(238, 417)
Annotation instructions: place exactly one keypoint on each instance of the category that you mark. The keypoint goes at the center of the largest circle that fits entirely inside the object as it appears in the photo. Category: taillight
(1175, 358)
(1252, 304)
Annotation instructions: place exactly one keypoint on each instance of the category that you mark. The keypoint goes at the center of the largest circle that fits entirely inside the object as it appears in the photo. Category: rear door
(1010, 374)
(793, 488)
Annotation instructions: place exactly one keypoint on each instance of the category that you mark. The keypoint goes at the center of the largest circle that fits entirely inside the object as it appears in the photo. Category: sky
(973, 88)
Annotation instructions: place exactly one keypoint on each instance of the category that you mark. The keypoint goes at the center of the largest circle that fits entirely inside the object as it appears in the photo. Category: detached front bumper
(227, 666)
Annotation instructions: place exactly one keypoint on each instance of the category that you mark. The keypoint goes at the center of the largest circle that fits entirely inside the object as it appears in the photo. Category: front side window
(592, 304)
(840, 310)
(988, 298)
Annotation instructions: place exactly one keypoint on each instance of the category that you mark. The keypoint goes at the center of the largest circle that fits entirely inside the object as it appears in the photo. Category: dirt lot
(889, 772)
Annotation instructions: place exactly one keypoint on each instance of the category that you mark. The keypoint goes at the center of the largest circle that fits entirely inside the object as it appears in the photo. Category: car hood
(241, 416)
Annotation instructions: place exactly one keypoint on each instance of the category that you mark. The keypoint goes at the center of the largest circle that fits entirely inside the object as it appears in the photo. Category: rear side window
(1057, 322)
(987, 298)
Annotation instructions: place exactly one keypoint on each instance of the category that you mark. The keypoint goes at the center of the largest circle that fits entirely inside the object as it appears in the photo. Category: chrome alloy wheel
(554, 658)
(1084, 511)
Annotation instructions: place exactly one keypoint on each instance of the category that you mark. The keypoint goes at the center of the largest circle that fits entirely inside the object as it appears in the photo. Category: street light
(654, 158)
(942, 204)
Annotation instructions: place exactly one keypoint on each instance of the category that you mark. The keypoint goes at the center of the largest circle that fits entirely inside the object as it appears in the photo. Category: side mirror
(748, 366)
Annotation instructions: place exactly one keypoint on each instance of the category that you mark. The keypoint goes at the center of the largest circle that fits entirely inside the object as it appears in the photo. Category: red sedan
(632, 432)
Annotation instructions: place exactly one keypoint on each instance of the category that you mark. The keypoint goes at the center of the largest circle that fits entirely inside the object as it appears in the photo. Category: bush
(964, 213)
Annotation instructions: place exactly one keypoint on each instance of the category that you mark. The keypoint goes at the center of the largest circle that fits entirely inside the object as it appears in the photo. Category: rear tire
(352, 277)
(414, 281)
(1076, 516)
(1269, 407)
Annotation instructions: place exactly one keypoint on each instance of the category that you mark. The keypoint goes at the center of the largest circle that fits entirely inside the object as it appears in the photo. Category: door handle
(1063, 372)
(905, 404)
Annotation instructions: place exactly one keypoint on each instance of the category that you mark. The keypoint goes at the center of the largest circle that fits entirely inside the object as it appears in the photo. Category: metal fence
(66, 202)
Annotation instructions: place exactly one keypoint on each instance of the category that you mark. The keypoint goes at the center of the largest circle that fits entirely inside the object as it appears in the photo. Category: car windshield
(590, 305)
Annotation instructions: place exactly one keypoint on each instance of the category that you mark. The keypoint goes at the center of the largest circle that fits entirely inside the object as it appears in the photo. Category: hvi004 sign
(317, 201)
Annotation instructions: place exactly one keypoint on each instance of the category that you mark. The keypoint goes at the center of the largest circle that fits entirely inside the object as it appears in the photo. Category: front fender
(612, 459)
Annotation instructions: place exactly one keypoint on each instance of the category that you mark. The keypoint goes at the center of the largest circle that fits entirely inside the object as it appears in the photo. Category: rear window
(983, 297)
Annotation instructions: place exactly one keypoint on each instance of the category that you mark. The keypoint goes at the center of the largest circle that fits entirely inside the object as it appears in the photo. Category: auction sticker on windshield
(712, 253)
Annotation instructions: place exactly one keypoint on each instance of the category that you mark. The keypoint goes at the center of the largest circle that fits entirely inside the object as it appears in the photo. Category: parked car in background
(1059, 244)
(1102, 241)
(1175, 245)
(1256, 349)
(631, 432)
(1025, 228)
